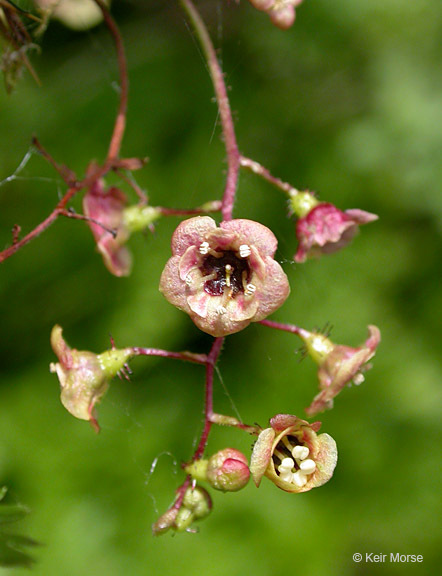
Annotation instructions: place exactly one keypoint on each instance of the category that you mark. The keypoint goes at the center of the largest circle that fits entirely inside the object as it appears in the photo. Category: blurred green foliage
(346, 103)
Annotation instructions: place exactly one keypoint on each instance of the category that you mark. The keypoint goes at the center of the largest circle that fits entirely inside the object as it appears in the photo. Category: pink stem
(58, 211)
(208, 410)
(187, 356)
(285, 327)
(258, 169)
(120, 121)
(228, 129)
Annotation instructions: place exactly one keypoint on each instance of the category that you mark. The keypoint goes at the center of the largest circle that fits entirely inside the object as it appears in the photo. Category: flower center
(228, 270)
(292, 462)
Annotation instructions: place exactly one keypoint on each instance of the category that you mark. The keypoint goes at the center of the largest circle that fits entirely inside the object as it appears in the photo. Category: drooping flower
(292, 455)
(224, 277)
(84, 376)
(339, 365)
(112, 222)
(321, 227)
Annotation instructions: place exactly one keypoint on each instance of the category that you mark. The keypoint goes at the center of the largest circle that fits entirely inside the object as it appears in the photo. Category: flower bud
(292, 455)
(84, 376)
(196, 505)
(198, 501)
(338, 365)
(228, 470)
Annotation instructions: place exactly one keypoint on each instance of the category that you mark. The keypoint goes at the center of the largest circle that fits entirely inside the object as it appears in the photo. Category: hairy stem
(228, 129)
(187, 356)
(292, 328)
(58, 211)
(208, 409)
(258, 169)
(120, 121)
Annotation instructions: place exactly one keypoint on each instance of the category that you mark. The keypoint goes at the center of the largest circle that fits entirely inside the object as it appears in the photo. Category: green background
(346, 103)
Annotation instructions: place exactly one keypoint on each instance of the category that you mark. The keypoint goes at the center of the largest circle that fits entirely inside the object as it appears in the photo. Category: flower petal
(172, 286)
(253, 233)
(191, 232)
(261, 455)
(273, 292)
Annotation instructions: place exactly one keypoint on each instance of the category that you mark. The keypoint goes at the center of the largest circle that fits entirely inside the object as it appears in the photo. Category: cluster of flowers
(224, 277)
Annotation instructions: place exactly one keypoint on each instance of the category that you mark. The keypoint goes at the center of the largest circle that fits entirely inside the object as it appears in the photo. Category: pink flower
(326, 229)
(106, 207)
(225, 277)
(292, 455)
(338, 365)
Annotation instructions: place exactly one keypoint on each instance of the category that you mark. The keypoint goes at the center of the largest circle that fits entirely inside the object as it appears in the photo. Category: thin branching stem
(187, 356)
(228, 128)
(120, 121)
(257, 168)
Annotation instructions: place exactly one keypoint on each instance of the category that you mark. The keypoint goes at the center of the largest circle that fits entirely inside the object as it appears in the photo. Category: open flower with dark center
(292, 455)
(225, 277)
(339, 365)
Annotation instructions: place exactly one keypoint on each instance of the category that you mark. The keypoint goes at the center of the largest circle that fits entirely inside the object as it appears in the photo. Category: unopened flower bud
(84, 376)
(198, 501)
(165, 522)
(228, 470)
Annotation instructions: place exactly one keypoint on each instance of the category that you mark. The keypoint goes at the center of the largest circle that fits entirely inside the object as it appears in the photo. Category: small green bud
(139, 217)
(184, 519)
(198, 501)
(301, 203)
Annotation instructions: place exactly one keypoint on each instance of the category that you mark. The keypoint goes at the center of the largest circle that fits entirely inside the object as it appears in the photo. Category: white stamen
(229, 270)
(221, 310)
(358, 378)
(300, 452)
(204, 248)
(250, 290)
(188, 279)
(299, 479)
(244, 250)
(307, 466)
(286, 464)
(286, 476)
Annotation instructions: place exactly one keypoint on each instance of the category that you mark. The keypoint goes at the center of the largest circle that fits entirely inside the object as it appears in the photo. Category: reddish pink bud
(228, 470)
(224, 277)
(326, 229)
(339, 365)
(292, 455)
